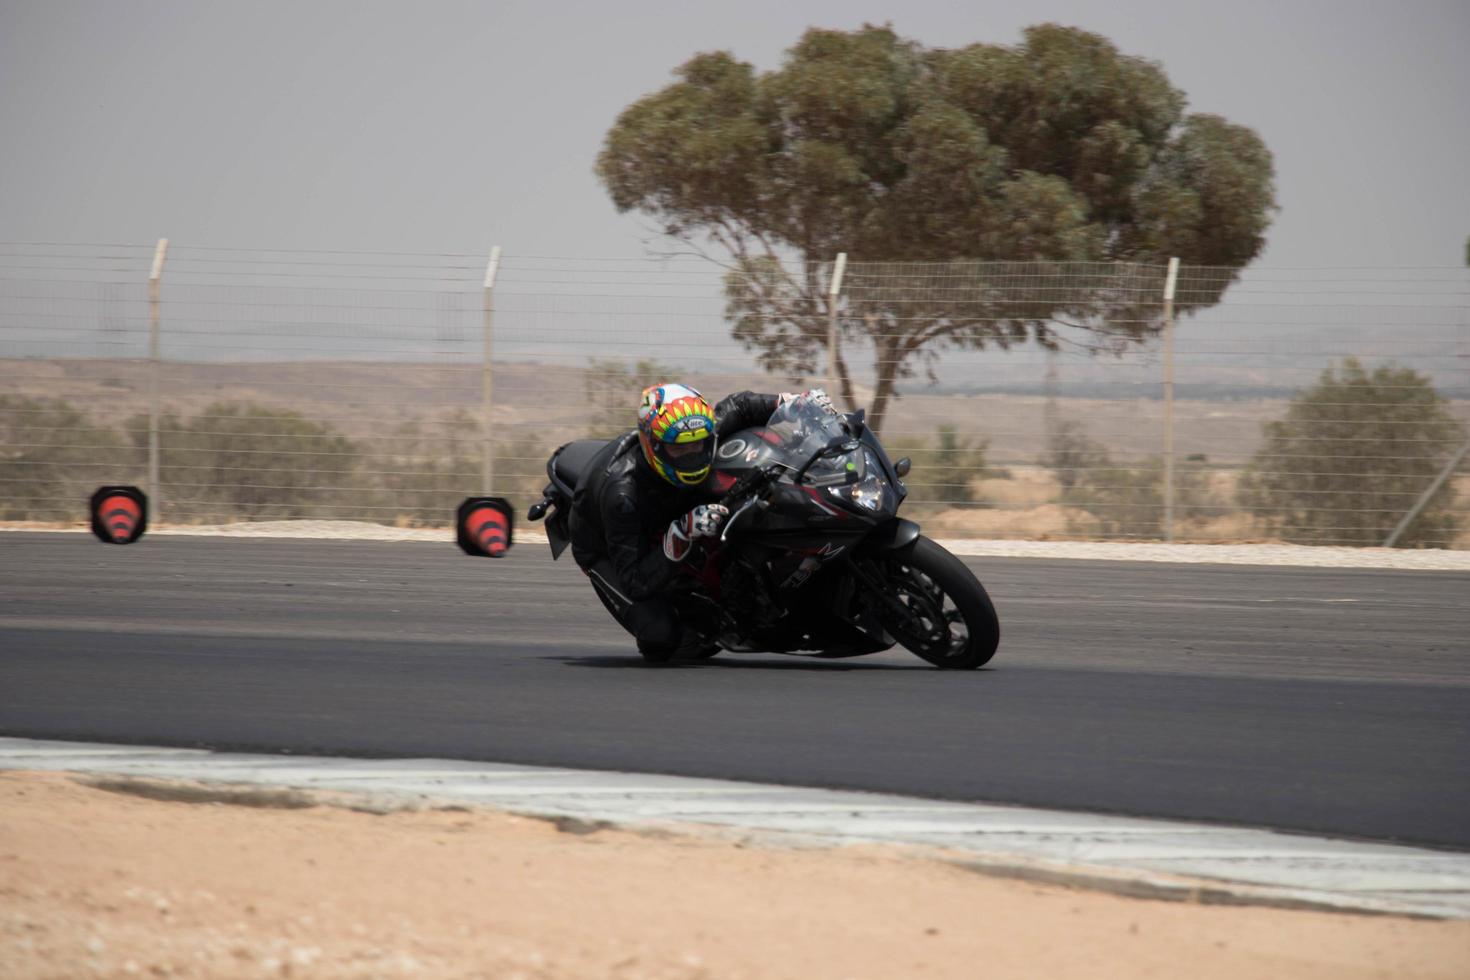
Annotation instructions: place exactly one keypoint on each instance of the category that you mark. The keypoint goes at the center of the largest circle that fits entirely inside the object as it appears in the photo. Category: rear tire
(951, 622)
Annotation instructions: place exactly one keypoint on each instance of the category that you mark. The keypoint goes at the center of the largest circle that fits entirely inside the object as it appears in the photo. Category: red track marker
(487, 525)
(119, 514)
(484, 526)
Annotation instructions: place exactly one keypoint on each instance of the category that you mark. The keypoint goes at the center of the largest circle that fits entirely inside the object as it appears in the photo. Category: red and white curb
(1147, 858)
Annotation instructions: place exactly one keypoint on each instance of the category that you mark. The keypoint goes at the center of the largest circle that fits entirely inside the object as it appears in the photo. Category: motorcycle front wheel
(944, 614)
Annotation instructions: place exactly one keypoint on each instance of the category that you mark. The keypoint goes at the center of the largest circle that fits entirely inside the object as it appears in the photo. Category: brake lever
(756, 502)
(745, 494)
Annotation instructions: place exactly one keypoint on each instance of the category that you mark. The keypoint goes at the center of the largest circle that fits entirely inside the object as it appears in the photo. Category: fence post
(834, 290)
(487, 428)
(155, 280)
(1171, 278)
(1426, 496)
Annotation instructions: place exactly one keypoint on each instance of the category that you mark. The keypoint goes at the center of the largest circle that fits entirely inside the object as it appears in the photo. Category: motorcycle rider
(647, 501)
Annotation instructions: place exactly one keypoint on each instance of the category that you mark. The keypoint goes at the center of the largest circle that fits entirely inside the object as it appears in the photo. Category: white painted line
(1156, 858)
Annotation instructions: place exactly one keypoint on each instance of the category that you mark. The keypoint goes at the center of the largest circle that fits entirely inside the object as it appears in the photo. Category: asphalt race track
(1311, 699)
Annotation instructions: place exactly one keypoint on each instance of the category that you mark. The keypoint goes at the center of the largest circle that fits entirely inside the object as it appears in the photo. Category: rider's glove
(704, 521)
(816, 396)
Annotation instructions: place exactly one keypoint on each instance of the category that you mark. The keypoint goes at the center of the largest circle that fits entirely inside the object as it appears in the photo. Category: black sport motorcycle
(814, 556)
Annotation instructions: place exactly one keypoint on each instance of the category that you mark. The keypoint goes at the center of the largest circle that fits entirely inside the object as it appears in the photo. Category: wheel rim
(934, 627)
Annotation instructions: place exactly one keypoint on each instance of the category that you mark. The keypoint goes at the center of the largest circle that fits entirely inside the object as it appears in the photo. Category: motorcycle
(813, 556)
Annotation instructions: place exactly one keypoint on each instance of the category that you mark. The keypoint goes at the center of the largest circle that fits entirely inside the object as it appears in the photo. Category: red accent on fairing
(825, 507)
(724, 481)
(769, 436)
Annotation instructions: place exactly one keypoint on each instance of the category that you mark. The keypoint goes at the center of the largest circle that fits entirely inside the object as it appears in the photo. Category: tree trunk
(844, 382)
(885, 364)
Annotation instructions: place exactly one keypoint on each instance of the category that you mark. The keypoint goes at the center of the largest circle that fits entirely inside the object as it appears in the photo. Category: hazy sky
(452, 126)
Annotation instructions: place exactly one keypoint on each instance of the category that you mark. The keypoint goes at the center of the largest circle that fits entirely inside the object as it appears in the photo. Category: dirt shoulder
(98, 883)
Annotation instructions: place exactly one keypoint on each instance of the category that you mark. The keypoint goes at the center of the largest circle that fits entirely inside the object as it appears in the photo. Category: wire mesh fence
(1035, 399)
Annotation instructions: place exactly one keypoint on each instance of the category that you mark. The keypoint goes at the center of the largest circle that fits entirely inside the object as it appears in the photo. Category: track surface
(1309, 699)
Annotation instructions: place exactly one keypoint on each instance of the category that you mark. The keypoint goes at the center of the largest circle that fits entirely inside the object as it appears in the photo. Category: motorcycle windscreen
(802, 429)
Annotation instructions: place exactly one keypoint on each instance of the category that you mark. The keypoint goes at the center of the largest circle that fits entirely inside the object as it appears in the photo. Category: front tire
(656, 655)
(948, 618)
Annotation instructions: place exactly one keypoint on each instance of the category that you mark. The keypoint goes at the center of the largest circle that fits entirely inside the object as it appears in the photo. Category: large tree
(985, 158)
(1352, 456)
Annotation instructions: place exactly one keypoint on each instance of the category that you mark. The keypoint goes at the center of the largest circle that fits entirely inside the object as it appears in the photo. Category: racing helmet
(676, 427)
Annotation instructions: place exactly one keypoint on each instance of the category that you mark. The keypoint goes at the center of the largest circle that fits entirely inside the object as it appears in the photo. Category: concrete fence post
(1171, 279)
(487, 424)
(155, 284)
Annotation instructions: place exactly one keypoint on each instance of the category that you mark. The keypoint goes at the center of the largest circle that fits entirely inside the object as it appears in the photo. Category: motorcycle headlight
(869, 492)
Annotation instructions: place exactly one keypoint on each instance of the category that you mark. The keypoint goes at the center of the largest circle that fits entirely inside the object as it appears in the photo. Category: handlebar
(745, 494)
(752, 482)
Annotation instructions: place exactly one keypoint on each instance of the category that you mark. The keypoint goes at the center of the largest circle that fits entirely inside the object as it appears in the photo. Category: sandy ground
(101, 883)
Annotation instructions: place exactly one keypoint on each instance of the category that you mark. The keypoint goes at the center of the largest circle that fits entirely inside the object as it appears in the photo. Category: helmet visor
(688, 457)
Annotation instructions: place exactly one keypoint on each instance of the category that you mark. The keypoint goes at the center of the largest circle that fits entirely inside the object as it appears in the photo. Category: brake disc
(925, 623)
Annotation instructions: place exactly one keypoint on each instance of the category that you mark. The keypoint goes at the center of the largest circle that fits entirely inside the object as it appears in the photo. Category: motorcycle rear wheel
(949, 619)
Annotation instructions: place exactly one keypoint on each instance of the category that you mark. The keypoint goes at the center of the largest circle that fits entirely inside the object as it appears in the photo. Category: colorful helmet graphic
(677, 429)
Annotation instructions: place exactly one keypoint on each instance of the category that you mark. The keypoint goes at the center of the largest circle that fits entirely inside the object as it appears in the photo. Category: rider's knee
(654, 622)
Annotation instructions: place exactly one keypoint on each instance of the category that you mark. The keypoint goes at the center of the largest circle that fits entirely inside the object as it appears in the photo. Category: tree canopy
(1057, 149)
(1352, 455)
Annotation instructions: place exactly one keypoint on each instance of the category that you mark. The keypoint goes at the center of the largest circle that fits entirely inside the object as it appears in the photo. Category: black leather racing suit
(620, 513)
